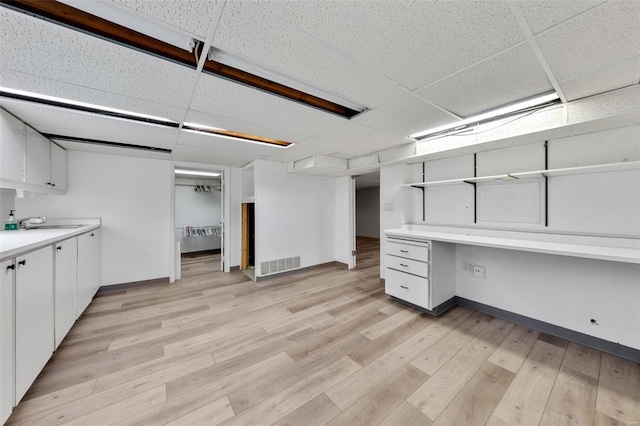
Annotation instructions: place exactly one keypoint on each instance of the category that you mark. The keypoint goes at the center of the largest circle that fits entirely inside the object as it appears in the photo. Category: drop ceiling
(415, 65)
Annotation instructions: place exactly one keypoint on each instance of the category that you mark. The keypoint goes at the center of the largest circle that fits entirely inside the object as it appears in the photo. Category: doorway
(248, 240)
(367, 218)
(199, 220)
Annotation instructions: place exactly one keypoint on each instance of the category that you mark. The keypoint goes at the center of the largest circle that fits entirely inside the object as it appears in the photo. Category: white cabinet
(12, 147)
(38, 159)
(421, 272)
(88, 269)
(33, 316)
(58, 167)
(66, 264)
(7, 285)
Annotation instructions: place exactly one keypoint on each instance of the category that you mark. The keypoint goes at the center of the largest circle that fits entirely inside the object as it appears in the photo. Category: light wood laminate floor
(323, 346)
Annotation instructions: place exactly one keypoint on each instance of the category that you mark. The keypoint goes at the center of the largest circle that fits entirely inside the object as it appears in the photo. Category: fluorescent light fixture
(522, 106)
(234, 135)
(242, 70)
(122, 15)
(195, 173)
(84, 106)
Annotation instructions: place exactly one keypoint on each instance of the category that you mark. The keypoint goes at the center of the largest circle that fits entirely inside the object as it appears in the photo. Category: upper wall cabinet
(12, 148)
(30, 161)
(58, 167)
(38, 160)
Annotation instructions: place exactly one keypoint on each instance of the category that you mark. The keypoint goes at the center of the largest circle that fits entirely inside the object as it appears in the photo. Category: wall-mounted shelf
(599, 168)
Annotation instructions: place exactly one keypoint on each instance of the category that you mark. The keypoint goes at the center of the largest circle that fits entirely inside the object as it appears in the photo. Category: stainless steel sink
(49, 226)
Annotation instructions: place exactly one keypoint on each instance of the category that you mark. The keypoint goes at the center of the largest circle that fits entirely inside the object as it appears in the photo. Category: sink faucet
(22, 223)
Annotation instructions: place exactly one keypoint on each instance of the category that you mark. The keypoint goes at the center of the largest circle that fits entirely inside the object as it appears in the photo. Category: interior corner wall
(294, 215)
(132, 197)
(368, 212)
(344, 217)
(398, 205)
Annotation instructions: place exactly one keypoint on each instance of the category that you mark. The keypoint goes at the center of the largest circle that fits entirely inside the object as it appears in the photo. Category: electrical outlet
(467, 266)
(478, 271)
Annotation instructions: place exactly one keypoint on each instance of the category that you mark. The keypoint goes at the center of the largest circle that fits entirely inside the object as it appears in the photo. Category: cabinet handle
(402, 264)
(59, 248)
(92, 234)
(11, 267)
(52, 184)
(404, 251)
(22, 262)
(405, 287)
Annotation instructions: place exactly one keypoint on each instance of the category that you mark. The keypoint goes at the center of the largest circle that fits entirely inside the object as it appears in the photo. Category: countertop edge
(613, 254)
(11, 253)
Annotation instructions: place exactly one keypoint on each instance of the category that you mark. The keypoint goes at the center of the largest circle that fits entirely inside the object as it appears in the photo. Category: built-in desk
(625, 250)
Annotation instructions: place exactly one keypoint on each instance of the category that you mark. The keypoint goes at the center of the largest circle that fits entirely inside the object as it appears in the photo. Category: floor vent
(279, 265)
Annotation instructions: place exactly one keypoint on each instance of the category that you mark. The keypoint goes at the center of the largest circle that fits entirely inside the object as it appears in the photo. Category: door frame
(226, 212)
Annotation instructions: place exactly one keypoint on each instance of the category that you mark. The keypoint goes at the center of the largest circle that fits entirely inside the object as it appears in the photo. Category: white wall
(195, 208)
(294, 215)
(344, 232)
(7, 203)
(132, 196)
(368, 212)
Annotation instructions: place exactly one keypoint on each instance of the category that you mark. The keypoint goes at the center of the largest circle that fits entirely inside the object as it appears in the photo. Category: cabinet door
(7, 273)
(58, 167)
(88, 269)
(34, 316)
(66, 262)
(38, 159)
(12, 147)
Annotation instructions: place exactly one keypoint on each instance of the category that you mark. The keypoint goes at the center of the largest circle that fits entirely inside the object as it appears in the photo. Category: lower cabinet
(66, 255)
(88, 269)
(33, 316)
(7, 286)
(421, 272)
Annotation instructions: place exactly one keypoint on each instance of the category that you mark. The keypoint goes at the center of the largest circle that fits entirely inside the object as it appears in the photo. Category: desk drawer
(408, 265)
(407, 287)
(411, 251)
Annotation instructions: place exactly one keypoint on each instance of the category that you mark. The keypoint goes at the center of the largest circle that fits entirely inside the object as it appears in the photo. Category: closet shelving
(599, 168)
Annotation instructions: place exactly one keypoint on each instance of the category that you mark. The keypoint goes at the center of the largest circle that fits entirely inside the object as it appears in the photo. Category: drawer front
(409, 251)
(408, 265)
(407, 287)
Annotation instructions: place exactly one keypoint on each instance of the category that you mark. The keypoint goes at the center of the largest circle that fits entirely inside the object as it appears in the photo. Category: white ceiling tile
(356, 135)
(413, 43)
(614, 76)
(541, 15)
(127, 152)
(253, 33)
(195, 154)
(65, 122)
(404, 116)
(204, 140)
(593, 40)
(52, 51)
(194, 16)
(46, 86)
(289, 154)
(508, 77)
(292, 120)
(319, 145)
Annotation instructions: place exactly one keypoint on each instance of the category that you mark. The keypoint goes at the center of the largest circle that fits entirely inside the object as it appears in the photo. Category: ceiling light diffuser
(55, 101)
(511, 109)
(195, 173)
(233, 135)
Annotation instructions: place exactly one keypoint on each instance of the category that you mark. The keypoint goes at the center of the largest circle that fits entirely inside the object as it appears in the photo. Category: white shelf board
(598, 168)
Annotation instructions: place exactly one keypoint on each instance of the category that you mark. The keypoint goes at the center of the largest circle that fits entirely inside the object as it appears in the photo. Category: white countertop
(14, 243)
(630, 254)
